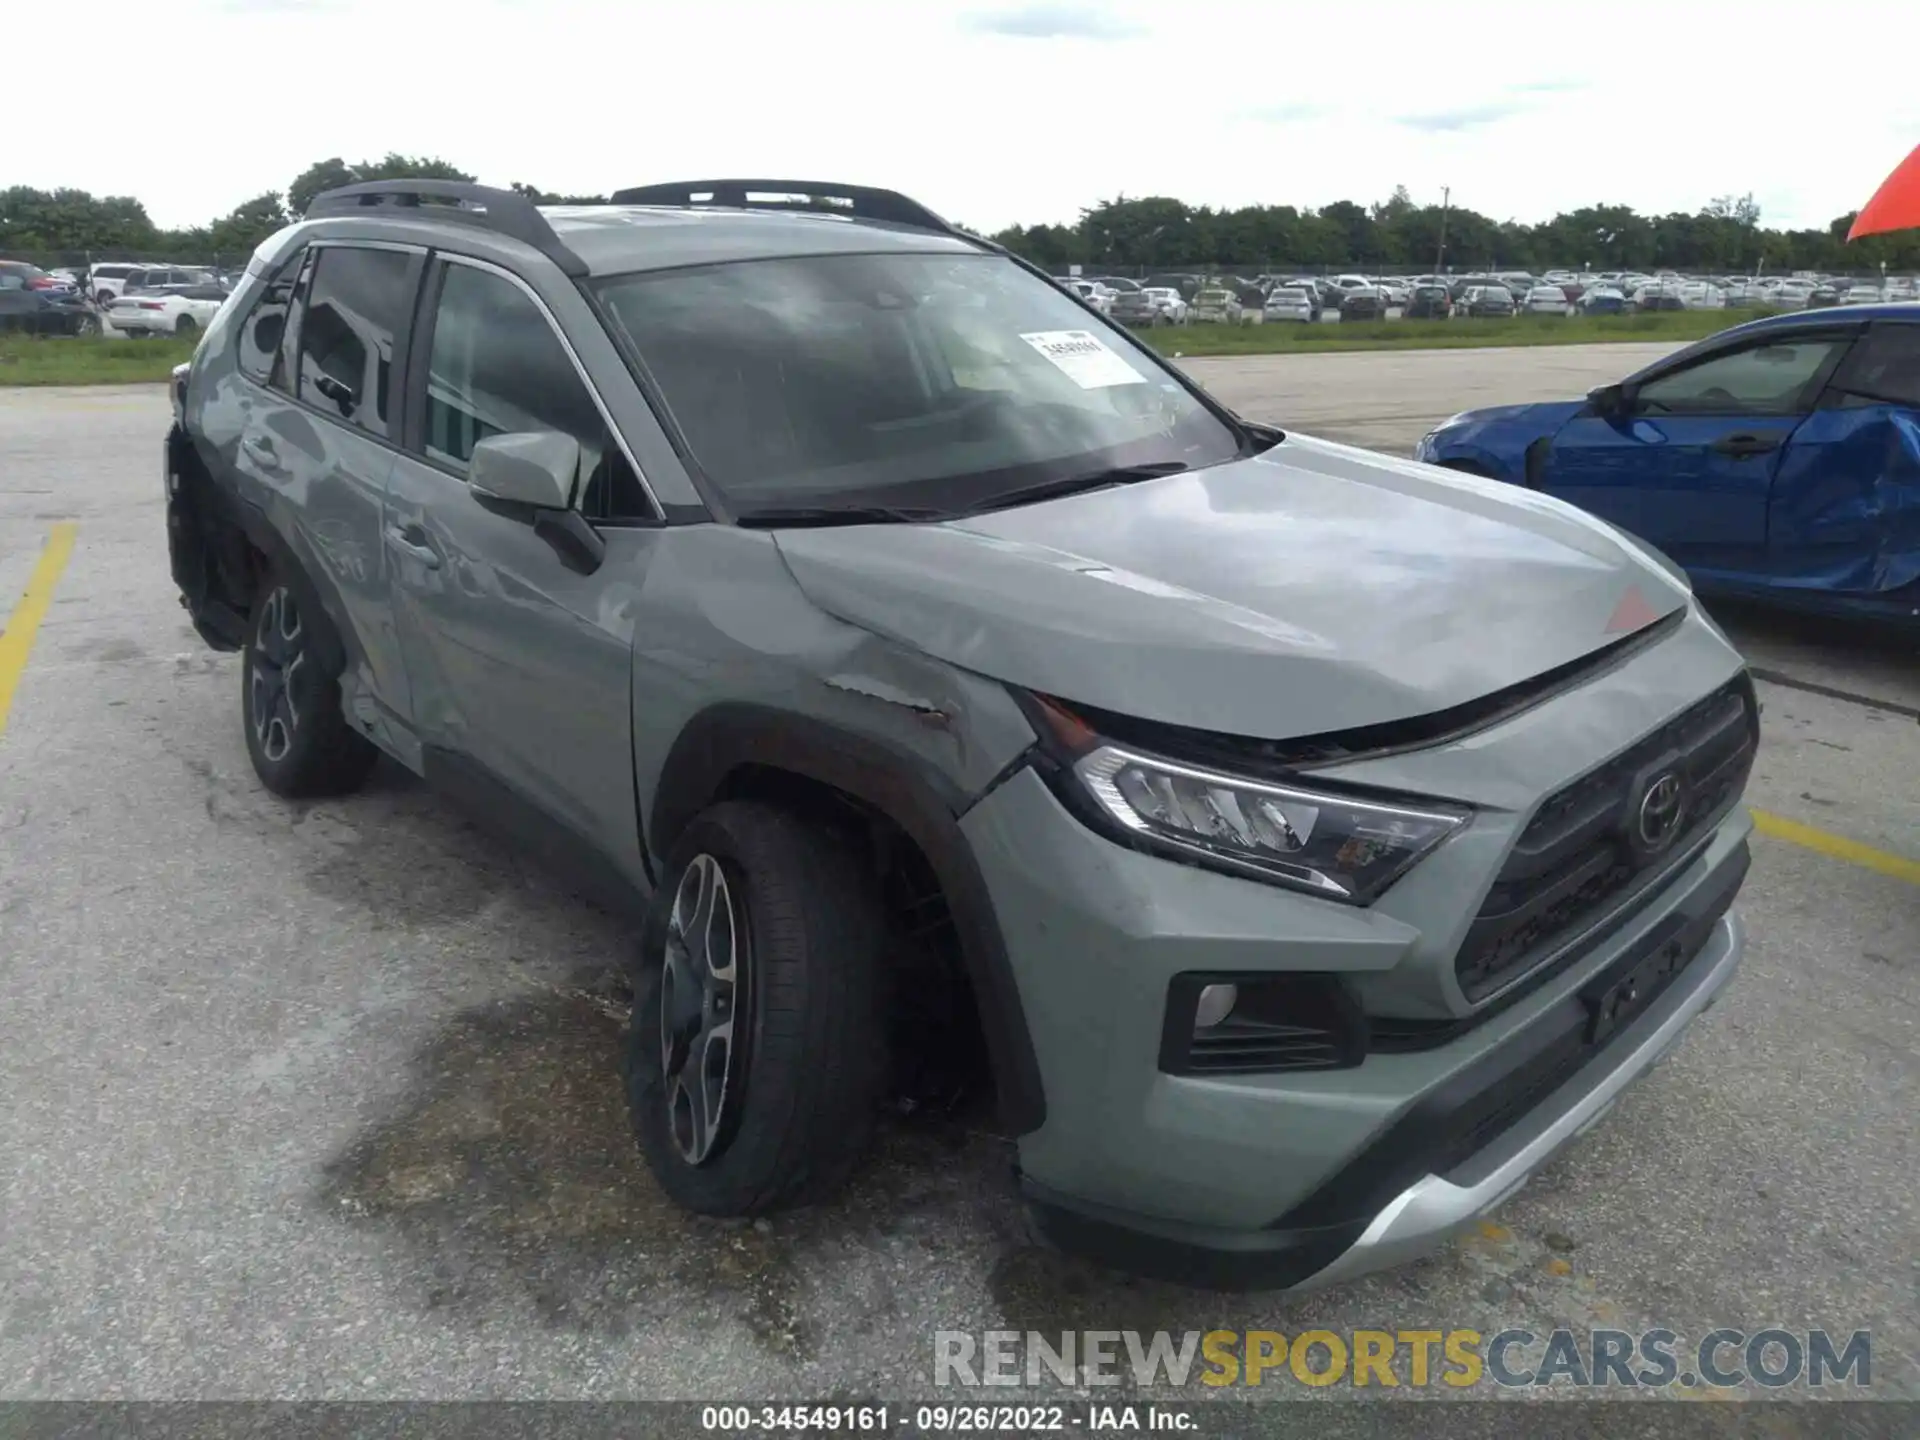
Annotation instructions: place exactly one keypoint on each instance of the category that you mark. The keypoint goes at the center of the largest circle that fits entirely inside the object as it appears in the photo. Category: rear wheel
(757, 1054)
(185, 325)
(296, 731)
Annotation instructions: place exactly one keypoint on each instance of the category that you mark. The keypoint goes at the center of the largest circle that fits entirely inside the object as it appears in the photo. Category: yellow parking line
(1837, 847)
(16, 641)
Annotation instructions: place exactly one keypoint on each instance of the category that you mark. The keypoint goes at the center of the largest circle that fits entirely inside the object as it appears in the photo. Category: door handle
(410, 540)
(261, 450)
(1742, 445)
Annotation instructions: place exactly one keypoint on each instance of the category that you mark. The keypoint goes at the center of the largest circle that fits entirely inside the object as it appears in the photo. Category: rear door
(1688, 465)
(319, 438)
(1845, 513)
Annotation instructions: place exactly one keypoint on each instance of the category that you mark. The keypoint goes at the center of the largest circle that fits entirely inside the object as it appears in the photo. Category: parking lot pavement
(319, 1100)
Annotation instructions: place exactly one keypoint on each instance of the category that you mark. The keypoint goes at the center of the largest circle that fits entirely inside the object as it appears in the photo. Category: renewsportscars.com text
(1593, 1359)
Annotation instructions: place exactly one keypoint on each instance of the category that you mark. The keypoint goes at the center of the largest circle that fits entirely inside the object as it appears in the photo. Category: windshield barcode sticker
(1083, 359)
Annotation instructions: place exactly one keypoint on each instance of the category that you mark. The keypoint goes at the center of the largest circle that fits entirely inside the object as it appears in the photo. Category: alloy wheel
(278, 654)
(707, 955)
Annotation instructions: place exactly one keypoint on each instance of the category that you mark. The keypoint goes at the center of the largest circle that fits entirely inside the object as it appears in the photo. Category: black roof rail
(505, 212)
(862, 202)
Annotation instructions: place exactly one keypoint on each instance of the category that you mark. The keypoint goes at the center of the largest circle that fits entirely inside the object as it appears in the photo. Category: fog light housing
(1252, 1024)
(1216, 1002)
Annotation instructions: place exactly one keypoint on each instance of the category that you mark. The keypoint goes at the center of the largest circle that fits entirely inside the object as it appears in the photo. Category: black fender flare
(288, 563)
(923, 803)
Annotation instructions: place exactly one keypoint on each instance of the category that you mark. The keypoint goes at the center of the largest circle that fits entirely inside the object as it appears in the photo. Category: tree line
(1152, 233)
(1397, 234)
(73, 226)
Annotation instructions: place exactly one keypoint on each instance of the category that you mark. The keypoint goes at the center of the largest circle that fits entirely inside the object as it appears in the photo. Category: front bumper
(1437, 1207)
(1302, 1177)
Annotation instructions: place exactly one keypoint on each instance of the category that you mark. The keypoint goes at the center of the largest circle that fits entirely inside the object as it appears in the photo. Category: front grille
(1575, 859)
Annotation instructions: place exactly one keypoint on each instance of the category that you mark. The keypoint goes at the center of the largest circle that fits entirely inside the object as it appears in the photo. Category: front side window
(932, 381)
(1770, 379)
(496, 367)
(355, 303)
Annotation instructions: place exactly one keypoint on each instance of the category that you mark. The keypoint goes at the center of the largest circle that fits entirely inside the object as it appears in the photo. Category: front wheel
(296, 731)
(757, 1056)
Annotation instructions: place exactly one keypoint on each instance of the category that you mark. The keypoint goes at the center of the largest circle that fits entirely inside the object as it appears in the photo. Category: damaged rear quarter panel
(756, 641)
(1844, 516)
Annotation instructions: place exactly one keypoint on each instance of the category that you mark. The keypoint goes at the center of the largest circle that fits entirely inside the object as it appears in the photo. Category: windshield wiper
(1075, 484)
(780, 516)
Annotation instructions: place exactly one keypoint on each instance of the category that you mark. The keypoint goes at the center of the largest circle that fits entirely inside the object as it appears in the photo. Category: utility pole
(1439, 255)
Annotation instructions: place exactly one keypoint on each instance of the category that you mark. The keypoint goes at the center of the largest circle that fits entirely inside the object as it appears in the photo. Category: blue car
(1779, 459)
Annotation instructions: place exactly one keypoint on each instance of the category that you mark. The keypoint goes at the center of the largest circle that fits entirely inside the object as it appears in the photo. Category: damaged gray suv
(1308, 843)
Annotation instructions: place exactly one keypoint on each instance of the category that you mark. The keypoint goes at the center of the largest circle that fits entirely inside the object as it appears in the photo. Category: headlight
(1341, 846)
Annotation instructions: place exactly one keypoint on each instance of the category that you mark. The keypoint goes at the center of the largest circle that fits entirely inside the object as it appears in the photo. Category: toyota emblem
(1661, 809)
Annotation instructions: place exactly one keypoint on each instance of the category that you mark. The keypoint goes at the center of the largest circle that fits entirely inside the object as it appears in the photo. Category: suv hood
(1311, 588)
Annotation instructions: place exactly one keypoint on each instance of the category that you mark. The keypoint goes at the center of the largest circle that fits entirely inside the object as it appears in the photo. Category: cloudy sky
(994, 113)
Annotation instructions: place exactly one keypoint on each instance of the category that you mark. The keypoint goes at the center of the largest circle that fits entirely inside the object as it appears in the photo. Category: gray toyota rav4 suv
(1309, 842)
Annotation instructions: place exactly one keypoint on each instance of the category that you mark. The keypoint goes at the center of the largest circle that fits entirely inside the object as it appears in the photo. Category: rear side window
(266, 323)
(496, 367)
(1885, 366)
(356, 302)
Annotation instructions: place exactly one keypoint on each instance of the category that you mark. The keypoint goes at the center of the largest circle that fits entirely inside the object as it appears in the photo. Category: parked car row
(1182, 297)
(131, 300)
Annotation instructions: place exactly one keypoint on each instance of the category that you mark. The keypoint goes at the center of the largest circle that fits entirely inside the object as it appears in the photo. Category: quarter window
(496, 367)
(1884, 367)
(355, 303)
(1772, 379)
(266, 324)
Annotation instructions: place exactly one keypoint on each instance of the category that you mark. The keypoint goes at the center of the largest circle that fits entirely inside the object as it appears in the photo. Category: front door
(1688, 463)
(519, 660)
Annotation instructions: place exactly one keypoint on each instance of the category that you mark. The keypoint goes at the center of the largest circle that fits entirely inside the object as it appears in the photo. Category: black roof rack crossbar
(862, 202)
(504, 212)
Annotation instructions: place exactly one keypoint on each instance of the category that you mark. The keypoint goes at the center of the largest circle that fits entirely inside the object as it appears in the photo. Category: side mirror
(1607, 400)
(535, 468)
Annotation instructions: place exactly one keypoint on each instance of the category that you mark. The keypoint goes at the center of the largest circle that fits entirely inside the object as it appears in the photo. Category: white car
(1702, 295)
(1169, 303)
(1287, 302)
(1395, 292)
(1218, 307)
(180, 311)
(1862, 295)
(1098, 296)
(1546, 300)
(107, 280)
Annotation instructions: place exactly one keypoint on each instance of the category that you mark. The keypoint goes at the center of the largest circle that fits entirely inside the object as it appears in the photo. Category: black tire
(799, 1098)
(185, 325)
(296, 731)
